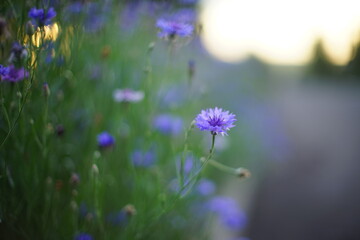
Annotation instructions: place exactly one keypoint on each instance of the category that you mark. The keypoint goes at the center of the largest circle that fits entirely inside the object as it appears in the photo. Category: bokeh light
(279, 31)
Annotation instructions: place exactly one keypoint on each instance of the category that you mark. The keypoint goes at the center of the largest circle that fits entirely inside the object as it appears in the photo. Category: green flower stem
(197, 174)
(239, 172)
(191, 181)
(183, 157)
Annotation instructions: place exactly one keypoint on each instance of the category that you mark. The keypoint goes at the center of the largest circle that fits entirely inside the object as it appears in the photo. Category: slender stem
(223, 167)
(194, 177)
(183, 157)
(204, 163)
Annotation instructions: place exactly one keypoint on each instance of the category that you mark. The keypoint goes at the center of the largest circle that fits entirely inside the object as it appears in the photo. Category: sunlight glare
(280, 31)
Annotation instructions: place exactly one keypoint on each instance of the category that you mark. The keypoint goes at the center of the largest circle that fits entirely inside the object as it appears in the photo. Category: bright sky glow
(280, 31)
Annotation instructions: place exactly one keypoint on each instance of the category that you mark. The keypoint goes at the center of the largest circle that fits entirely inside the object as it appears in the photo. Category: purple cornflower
(40, 17)
(228, 212)
(12, 74)
(83, 236)
(105, 140)
(215, 120)
(128, 95)
(168, 124)
(4, 71)
(171, 28)
(143, 159)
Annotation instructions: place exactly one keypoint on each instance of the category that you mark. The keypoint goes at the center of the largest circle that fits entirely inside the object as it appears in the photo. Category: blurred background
(289, 71)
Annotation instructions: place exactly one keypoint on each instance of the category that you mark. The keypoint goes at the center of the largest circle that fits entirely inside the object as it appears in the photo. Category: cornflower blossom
(215, 120)
(168, 124)
(40, 17)
(4, 71)
(172, 28)
(143, 159)
(128, 95)
(226, 208)
(12, 74)
(105, 140)
(83, 236)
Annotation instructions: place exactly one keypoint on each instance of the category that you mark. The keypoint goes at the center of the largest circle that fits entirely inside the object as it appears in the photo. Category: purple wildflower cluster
(215, 120)
(40, 17)
(168, 124)
(229, 213)
(143, 159)
(12, 74)
(169, 29)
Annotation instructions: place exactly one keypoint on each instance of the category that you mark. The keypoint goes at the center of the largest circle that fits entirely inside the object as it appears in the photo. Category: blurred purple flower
(188, 1)
(215, 120)
(94, 23)
(75, 7)
(12, 74)
(83, 236)
(97, 13)
(40, 17)
(143, 159)
(228, 212)
(4, 71)
(84, 212)
(190, 164)
(172, 28)
(18, 54)
(105, 140)
(168, 124)
(128, 95)
(205, 187)
(74, 179)
(118, 218)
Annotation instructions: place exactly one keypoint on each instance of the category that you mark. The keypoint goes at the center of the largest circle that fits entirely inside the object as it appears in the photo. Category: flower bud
(74, 179)
(242, 173)
(95, 169)
(46, 89)
(59, 130)
(151, 47)
(130, 210)
(29, 28)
